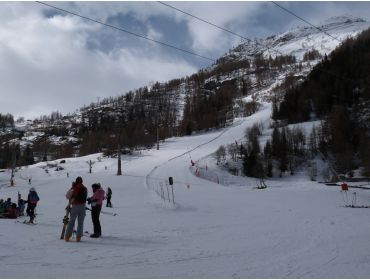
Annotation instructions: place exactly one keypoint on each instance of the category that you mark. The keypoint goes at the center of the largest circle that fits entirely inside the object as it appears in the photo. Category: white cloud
(153, 33)
(46, 66)
(228, 15)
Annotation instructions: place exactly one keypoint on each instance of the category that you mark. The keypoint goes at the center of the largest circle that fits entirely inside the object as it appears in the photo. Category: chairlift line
(127, 31)
(220, 27)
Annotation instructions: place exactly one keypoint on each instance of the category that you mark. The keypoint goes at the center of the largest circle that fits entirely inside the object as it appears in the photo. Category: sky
(52, 61)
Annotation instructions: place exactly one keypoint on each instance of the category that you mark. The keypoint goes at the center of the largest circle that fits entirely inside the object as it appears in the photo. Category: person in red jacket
(96, 201)
(77, 198)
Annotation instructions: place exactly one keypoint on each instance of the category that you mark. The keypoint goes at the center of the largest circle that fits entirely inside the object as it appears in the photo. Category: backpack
(80, 194)
(34, 198)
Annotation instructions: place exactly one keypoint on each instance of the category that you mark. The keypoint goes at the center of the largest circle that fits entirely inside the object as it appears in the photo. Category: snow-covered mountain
(261, 85)
(299, 40)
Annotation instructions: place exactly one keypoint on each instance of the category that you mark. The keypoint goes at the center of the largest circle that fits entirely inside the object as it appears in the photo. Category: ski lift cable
(219, 27)
(127, 31)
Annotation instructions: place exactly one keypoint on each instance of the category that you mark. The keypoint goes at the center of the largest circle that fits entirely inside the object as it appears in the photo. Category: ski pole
(344, 201)
(355, 197)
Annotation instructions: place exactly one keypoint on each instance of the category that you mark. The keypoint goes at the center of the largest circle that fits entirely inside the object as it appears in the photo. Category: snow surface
(293, 229)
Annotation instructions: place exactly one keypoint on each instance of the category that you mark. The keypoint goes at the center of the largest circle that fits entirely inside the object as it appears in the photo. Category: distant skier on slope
(78, 195)
(109, 197)
(32, 200)
(96, 201)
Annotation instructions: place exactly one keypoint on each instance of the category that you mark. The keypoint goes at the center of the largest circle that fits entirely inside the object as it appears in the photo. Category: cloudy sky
(53, 61)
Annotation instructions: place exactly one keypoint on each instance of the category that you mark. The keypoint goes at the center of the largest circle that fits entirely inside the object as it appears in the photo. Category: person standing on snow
(77, 198)
(32, 200)
(96, 201)
(109, 197)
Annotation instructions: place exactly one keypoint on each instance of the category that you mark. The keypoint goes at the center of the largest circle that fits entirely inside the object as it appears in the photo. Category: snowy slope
(293, 229)
(299, 40)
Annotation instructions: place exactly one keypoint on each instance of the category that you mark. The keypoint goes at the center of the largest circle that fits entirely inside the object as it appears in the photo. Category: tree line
(337, 91)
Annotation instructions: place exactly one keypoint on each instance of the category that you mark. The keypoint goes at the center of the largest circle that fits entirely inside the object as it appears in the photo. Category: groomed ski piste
(295, 228)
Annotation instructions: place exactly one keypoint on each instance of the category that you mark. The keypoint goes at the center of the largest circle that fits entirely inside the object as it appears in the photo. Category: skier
(32, 201)
(2, 208)
(8, 203)
(78, 196)
(96, 201)
(20, 207)
(344, 186)
(109, 197)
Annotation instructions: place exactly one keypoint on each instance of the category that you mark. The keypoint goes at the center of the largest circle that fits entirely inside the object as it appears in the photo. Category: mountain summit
(299, 40)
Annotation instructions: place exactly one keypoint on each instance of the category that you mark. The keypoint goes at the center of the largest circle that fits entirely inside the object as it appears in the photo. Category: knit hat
(95, 185)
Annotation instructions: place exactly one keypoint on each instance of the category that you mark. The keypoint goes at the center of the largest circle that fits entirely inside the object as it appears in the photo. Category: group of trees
(285, 150)
(6, 121)
(11, 155)
(54, 116)
(338, 92)
(134, 120)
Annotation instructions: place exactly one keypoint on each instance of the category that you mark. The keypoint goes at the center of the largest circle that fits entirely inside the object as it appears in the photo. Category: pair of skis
(65, 221)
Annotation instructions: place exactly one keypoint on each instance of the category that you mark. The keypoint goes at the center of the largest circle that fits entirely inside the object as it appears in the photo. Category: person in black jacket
(109, 197)
(32, 200)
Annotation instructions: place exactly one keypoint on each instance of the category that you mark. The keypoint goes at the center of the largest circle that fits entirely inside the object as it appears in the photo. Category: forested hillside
(338, 92)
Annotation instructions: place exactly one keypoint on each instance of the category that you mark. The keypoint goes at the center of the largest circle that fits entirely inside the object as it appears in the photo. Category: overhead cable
(128, 32)
(217, 26)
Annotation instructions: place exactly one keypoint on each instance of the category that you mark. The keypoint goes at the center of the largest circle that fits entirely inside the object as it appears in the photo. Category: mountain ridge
(341, 27)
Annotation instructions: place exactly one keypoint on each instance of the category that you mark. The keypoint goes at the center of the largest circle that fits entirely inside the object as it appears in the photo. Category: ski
(108, 213)
(25, 222)
(65, 221)
(103, 212)
(357, 206)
